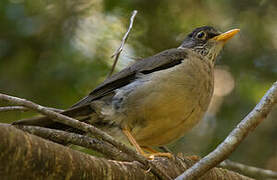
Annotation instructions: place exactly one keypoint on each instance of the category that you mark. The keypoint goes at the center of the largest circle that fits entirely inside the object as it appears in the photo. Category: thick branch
(30, 157)
(64, 137)
(249, 123)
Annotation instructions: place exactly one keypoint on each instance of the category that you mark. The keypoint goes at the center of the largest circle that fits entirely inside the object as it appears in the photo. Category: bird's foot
(152, 152)
(192, 157)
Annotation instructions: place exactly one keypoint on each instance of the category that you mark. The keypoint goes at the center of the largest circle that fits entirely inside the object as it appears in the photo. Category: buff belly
(161, 107)
(175, 103)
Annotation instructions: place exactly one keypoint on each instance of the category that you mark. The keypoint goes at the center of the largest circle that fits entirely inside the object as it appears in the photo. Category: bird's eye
(201, 35)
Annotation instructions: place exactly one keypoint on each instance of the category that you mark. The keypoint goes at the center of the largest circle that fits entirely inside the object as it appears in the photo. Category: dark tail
(44, 121)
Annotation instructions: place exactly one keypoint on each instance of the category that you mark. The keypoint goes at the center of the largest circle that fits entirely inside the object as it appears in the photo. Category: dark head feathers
(211, 31)
(199, 36)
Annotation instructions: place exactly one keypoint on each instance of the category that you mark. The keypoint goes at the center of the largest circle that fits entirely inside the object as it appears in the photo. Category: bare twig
(64, 137)
(55, 109)
(86, 128)
(13, 108)
(22, 108)
(254, 118)
(124, 39)
(248, 170)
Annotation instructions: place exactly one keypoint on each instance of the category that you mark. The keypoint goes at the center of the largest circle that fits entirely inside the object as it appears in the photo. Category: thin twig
(249, 123)
(250, 171)
(55, 109)
(86, 128)
(22, 108)
(13, 108)
(64, 137)
(124, 39)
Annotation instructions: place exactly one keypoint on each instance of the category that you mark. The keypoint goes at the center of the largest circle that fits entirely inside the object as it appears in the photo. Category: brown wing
(163, 60)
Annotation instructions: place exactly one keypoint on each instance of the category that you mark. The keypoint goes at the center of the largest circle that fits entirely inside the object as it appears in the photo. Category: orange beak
(226, 36)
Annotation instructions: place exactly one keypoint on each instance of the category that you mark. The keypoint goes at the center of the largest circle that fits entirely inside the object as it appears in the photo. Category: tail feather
(44, 121)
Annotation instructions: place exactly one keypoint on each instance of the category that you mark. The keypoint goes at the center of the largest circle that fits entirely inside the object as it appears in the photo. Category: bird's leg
(149, 149)
(133, 142)
(153, 152)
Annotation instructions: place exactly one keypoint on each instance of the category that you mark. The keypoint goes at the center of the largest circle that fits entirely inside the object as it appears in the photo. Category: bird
(156, 100)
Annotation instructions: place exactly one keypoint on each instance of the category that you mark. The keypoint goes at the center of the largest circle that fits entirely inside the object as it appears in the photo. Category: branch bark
(63, 137)
(30, 157)
(23, 109)
(13, 108)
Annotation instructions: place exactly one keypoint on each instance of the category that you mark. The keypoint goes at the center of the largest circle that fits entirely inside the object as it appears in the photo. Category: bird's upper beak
(224, 37)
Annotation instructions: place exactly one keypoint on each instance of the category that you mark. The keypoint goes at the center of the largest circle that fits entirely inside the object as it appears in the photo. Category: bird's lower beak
(224, 37)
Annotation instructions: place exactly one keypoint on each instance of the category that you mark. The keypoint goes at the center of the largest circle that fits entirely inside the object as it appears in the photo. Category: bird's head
(207, 41)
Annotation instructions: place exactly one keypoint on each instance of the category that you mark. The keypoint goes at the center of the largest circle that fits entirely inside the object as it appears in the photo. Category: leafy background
(55, 52)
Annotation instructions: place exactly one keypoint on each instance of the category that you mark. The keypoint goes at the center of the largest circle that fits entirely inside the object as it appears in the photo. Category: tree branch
(64, 137)
(249, 123)
(13, 108)
(31, 157)
(22, 108)
(250, 171)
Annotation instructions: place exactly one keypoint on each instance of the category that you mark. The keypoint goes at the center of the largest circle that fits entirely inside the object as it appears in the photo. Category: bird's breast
(164, 105)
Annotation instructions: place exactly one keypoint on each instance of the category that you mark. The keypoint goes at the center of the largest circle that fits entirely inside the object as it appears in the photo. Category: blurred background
(56, 52)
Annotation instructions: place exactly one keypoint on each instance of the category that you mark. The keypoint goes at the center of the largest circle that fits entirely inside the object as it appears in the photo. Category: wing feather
(163, 60)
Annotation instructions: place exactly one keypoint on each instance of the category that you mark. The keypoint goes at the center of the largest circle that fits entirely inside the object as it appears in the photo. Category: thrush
(156, 100)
